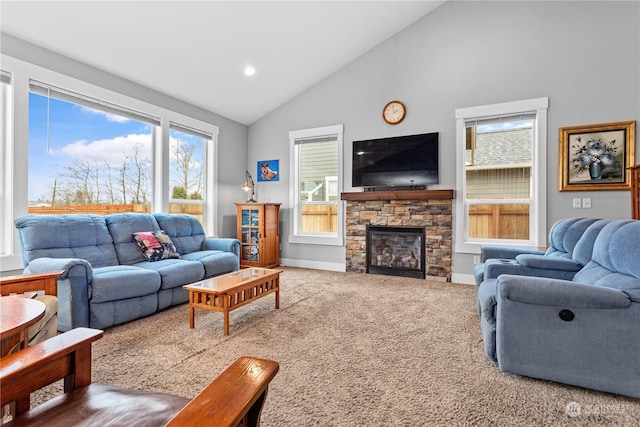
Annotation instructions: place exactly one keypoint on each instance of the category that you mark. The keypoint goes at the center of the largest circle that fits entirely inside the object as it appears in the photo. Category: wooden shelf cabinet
(258, 229)
(635, 192)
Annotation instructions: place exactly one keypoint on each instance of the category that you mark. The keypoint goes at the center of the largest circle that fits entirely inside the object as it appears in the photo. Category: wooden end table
(18, 313)
(229, 291)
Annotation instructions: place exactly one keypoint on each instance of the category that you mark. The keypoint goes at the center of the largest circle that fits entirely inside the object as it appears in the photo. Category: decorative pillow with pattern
(155, 245)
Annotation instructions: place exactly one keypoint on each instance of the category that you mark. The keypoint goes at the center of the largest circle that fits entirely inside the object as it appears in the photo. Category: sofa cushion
(615, 259)
(66, 236)
(155, 245)
(175, 272)
(122, 282)
(122, 226)
(185, 231)
(215, 262)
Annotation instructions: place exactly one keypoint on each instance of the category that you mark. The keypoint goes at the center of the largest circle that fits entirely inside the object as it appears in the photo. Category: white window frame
(295, 236)
(17, 153)
(538, 217)
(6, 180)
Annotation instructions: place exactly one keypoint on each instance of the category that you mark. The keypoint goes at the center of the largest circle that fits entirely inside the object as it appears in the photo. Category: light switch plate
(586, 203)
(577, 202)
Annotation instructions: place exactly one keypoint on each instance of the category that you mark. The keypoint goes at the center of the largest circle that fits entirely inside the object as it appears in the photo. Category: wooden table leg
(226, 322)
(278, 298)
(225, 307)
(191, 316)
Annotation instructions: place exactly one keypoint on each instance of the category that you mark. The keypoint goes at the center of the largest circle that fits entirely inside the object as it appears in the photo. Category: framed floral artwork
(597, 157)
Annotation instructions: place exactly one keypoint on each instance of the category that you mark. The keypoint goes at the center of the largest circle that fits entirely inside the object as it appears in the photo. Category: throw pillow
(155, 245)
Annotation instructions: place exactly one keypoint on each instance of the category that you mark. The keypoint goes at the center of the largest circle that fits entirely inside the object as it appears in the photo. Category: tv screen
(396, 161)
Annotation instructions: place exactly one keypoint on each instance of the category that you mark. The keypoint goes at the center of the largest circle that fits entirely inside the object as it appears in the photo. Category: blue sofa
(584, 331)
(107, 279)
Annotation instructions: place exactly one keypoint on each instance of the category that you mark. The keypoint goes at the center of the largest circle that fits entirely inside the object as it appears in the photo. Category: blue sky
(77, 133)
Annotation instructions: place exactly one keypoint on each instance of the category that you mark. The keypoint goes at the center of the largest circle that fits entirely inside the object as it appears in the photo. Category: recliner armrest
(67, 356)
(548, 263)
(559, 293)
(236, 395)
(489, 252)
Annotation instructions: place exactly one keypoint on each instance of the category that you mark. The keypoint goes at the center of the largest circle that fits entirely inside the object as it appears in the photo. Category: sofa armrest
(222, 244)
(225, 244)
(548, 263)
(559, 293)
(234, 398)
(68, 266)
(489, 252)
(73, 288)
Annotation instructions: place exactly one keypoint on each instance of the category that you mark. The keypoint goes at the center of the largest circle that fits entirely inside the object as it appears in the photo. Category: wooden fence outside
(188, 208)
(499, 222)
(87, 209)
(318, 218)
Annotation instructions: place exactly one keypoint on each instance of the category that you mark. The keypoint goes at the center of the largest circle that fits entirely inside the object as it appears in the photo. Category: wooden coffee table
(229, 291)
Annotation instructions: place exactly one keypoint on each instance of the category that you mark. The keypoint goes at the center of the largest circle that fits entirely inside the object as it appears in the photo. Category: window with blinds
(498, 161)
(87, 155)
(316, 174)
(188, 169)
(499, 176)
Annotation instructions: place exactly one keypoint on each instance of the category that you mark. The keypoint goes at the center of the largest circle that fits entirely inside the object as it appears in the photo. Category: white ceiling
(196, 51)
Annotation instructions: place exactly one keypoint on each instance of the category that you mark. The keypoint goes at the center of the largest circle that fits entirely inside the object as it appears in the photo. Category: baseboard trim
(315, 265)
(465, 279)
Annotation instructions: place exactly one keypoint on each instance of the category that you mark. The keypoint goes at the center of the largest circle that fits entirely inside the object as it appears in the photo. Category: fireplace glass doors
(396, 251)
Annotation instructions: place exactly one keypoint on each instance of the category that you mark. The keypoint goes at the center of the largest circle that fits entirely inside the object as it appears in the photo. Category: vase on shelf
(595, 170)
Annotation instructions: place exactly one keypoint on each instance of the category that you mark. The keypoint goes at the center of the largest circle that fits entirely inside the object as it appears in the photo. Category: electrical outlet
(577, 202)
(586, 203)
(476, 259)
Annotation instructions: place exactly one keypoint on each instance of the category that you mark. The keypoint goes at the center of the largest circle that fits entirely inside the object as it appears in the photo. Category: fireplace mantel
(398, 195)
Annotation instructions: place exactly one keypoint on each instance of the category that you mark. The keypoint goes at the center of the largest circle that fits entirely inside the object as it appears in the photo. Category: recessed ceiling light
(249, 71)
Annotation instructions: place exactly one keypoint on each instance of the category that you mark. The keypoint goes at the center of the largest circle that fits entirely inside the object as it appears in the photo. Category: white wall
(584, 56)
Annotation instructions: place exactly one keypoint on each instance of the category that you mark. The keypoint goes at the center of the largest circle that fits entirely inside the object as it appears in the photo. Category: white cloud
(110, 150)
(109, 116)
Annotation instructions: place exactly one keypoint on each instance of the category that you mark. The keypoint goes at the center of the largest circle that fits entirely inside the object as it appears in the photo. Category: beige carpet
(354, 350)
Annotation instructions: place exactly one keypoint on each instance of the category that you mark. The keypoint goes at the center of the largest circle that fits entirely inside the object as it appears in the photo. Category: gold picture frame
(596, 157)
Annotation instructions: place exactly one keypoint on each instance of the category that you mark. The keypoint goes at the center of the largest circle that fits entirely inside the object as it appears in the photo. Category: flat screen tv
(399, 161)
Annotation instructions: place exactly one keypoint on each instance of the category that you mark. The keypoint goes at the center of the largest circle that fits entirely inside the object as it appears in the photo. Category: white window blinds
(190, 131)
(50, 91)
(5, 77)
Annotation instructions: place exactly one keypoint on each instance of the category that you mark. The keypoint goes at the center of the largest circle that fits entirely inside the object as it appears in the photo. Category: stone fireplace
(396, 251)
(428, 209)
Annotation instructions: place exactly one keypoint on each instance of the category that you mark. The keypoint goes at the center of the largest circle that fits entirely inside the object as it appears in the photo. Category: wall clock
(394, 112)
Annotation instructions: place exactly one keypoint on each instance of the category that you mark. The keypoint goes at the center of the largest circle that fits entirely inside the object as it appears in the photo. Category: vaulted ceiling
(196, 51)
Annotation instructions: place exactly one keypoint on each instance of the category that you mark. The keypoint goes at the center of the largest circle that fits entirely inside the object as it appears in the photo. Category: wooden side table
(16, 315)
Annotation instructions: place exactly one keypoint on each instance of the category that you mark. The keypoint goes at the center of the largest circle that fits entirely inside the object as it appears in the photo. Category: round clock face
(394, 112)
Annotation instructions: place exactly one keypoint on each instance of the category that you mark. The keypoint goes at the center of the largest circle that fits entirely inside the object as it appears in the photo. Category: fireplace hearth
(396, 251)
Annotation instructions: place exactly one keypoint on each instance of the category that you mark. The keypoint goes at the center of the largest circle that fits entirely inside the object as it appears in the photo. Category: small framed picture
(596, 157)
(268, 170)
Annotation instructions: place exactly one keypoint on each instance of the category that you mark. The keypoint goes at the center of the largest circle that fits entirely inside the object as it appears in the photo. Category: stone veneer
(435, 215)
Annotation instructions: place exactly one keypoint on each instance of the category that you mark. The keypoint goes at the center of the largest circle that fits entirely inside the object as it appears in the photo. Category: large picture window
(501, 175)
(86, 156)
(316, 166)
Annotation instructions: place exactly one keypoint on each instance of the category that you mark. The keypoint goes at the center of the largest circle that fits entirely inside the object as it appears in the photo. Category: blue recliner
(563, 238)
(561, 267)
(583, 332)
